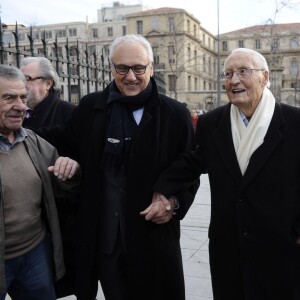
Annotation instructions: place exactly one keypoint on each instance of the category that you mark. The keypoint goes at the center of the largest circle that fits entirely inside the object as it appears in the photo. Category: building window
(188, 26)
(92, 49)
(72, 32)
(275, 44)
(139, 27)
(73, 70)
(95, 32)
(155, 55)
(36, 35)
(195, 30)
(171, 54)
(22, 36)
(73, 51)
(171, 24)
(172, 83)
(189, 84)
(196, 84)
(124, 30)
(110, 32)
(74, 89)
(224, 46)
(61, 33)
(204, 63)
(294, 43)
(154, 23)
(106, 50)
(257, 44)
(294, 68)
(48, 34)
(57, 51)
(241, 44)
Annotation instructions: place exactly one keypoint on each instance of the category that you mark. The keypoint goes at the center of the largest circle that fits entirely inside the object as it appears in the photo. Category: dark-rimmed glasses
(29, 78)
(137, 69)
(241, 73)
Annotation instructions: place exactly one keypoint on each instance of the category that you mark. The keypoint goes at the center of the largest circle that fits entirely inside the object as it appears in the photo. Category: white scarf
(247, 139)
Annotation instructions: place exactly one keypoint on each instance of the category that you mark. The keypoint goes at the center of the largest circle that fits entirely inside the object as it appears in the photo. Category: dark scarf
(119, 131)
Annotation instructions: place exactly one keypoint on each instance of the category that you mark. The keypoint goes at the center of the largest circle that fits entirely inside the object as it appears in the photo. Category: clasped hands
(160, 211)
(64, 168)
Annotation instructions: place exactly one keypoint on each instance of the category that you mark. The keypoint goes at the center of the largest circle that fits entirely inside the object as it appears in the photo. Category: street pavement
(194, 246)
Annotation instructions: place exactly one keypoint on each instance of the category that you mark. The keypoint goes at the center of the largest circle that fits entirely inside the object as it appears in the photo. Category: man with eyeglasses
(125, 137)
(251, 151)
(46, 109)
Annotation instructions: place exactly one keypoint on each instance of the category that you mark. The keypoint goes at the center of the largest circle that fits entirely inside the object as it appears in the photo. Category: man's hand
(160, 210)
(64, 168)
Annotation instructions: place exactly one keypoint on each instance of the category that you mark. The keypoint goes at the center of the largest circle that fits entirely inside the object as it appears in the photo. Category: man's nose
(235, 77)
(130, 74)
(20, 104)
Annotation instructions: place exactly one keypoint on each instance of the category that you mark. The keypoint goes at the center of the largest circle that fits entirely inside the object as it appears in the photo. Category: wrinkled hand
(159, 211)
(64, 168)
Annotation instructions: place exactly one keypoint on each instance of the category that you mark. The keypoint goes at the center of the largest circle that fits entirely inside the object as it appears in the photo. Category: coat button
(116, 214)
(245, 233)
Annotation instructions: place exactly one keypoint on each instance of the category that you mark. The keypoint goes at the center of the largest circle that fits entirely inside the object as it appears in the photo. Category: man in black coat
(251, 151)
(46, 109)
(125, 137)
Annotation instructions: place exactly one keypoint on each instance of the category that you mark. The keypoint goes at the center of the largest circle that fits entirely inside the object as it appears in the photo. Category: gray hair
(11, 73)
(131, 38)
(46, 69)
(259, 59)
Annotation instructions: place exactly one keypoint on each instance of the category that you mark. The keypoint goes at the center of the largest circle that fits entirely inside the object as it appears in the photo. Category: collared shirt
(244, 119)
(137, 114)
(6, 145)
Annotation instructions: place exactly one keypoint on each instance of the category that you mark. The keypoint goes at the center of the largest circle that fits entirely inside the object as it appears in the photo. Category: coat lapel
(222, 135)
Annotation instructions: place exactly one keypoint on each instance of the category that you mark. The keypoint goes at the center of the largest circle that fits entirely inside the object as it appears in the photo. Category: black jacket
(255, 218)
(153, 251)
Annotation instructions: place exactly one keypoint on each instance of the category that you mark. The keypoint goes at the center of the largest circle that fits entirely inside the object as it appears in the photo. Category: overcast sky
(233, 14)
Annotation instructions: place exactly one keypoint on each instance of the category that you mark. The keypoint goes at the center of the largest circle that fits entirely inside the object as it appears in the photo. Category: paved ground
(194, 245)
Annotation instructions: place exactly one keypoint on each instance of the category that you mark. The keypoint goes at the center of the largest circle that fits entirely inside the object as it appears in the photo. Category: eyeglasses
(29, 78)
(241, 73)
(137, 69)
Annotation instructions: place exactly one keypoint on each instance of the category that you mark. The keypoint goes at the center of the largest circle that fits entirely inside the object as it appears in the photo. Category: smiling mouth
(237, 91)
(131, 84)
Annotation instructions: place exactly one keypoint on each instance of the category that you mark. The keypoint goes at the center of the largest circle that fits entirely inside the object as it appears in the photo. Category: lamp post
(219, 67)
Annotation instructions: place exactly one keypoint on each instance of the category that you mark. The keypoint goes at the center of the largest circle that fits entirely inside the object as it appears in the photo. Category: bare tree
(275, 59)
(181, 51)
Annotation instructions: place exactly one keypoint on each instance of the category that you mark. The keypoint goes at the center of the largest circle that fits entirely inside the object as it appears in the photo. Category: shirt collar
(20, 136)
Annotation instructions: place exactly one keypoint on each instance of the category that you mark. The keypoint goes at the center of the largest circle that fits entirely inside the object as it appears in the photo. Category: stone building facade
(280, 45)
(185, 53)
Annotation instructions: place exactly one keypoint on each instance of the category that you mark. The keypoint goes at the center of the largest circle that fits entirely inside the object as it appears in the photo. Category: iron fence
(80, 71)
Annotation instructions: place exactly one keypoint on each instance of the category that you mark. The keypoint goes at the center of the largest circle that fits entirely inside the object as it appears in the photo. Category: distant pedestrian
(194, 116)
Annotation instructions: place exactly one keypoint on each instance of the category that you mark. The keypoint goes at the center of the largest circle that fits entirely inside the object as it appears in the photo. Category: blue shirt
(6, 145)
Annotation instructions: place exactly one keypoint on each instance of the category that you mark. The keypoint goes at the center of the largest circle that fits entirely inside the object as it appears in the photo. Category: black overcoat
(153, 251)
(255, 218)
